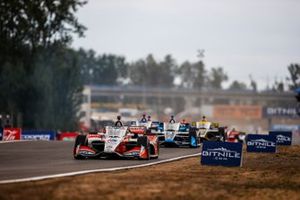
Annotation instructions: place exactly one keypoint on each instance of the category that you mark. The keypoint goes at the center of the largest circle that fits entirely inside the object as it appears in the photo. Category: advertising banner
(67, 136)
(261, 143)
(280, 111)
(11, 134)
(221, 153)
(282, 137)
(285, 127)
(38, 135)
(1, 133)
(237, 112)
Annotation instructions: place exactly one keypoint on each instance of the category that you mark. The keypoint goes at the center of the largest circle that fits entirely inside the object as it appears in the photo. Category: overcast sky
(257, 37)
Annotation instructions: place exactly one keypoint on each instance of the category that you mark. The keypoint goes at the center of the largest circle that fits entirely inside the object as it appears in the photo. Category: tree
(217, 77)
(253, 83)
(294, 70)
(150, 73)
(238, 86)
(58, 80)
(26, 29)
(108, 69)
(167, 69)
(193, 75)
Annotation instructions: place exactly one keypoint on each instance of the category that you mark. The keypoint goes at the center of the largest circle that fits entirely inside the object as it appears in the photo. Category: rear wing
(116, 131)
(145, 124)
(137, 129)
(171, 126)
(203, 125)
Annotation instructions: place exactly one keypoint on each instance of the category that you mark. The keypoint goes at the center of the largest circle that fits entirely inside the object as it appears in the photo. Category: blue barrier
(285, 127)
(38, 135)
(261, 143)
(222, 153)
(1, 134)
(282, 137)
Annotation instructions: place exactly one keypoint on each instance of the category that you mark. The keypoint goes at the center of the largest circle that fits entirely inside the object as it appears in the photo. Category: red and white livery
(131, 142)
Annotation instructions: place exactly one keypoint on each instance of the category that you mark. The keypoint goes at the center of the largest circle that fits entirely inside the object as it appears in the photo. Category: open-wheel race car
(235, 136)
(127, 142)
(209, 131)
(178, 135)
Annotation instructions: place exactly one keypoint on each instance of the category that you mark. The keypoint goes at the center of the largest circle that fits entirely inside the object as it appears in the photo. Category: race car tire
(80, 140)
(144, 141)
(193, 139)
(211, 137)
(222, 133)
(157, 144)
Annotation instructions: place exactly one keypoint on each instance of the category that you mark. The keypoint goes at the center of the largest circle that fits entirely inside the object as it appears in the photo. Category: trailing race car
(131, 142)
(156, 127)
(235, 136)
(209, 131)
(178, 134)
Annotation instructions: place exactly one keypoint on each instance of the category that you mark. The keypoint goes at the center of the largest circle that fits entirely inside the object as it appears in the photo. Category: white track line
(12, 141)
(39, 178)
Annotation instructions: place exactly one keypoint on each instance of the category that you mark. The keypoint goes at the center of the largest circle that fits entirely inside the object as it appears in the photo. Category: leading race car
(178, 134)
(128, 142)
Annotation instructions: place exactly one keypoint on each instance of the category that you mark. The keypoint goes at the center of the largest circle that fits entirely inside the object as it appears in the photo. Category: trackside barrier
(38, 135)
(67, 136)
(10, 134)
(261, 143)
(1, 133)
(282, 137)
(222, 153)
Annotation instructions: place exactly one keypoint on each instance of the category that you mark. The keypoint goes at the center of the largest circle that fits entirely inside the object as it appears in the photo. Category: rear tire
(80, 140)
(157, 144)
(222, 133)
(144, 141)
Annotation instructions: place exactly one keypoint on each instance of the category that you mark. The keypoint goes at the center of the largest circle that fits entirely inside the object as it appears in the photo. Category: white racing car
(130, 142)
(178, 134)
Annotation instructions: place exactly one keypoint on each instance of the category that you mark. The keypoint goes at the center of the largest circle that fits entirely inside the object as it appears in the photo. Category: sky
(258, 37)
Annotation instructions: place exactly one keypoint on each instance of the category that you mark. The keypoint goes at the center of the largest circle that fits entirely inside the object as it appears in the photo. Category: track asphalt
(42, 158)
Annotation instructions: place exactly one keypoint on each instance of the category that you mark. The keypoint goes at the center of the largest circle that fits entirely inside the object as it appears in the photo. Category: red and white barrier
(10, 134)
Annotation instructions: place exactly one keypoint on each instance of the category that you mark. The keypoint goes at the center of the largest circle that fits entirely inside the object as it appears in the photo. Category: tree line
(109, 69)
(42, 77)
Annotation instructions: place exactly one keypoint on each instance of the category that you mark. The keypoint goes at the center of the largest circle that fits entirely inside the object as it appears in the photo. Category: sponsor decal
(85, 152)
(261, 143)
(282, 137)
(11, 134)
(221, 153)
(132, 153)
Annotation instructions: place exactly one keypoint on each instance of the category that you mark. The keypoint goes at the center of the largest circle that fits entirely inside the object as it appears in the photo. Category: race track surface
(41, 158)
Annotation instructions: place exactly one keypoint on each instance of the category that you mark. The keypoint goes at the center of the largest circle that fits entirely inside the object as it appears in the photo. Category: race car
(208, 131)
(127, 142)
(235, 136)
(177, 135)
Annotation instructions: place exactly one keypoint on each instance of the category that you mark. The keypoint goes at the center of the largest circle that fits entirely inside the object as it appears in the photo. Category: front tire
(80, 140)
